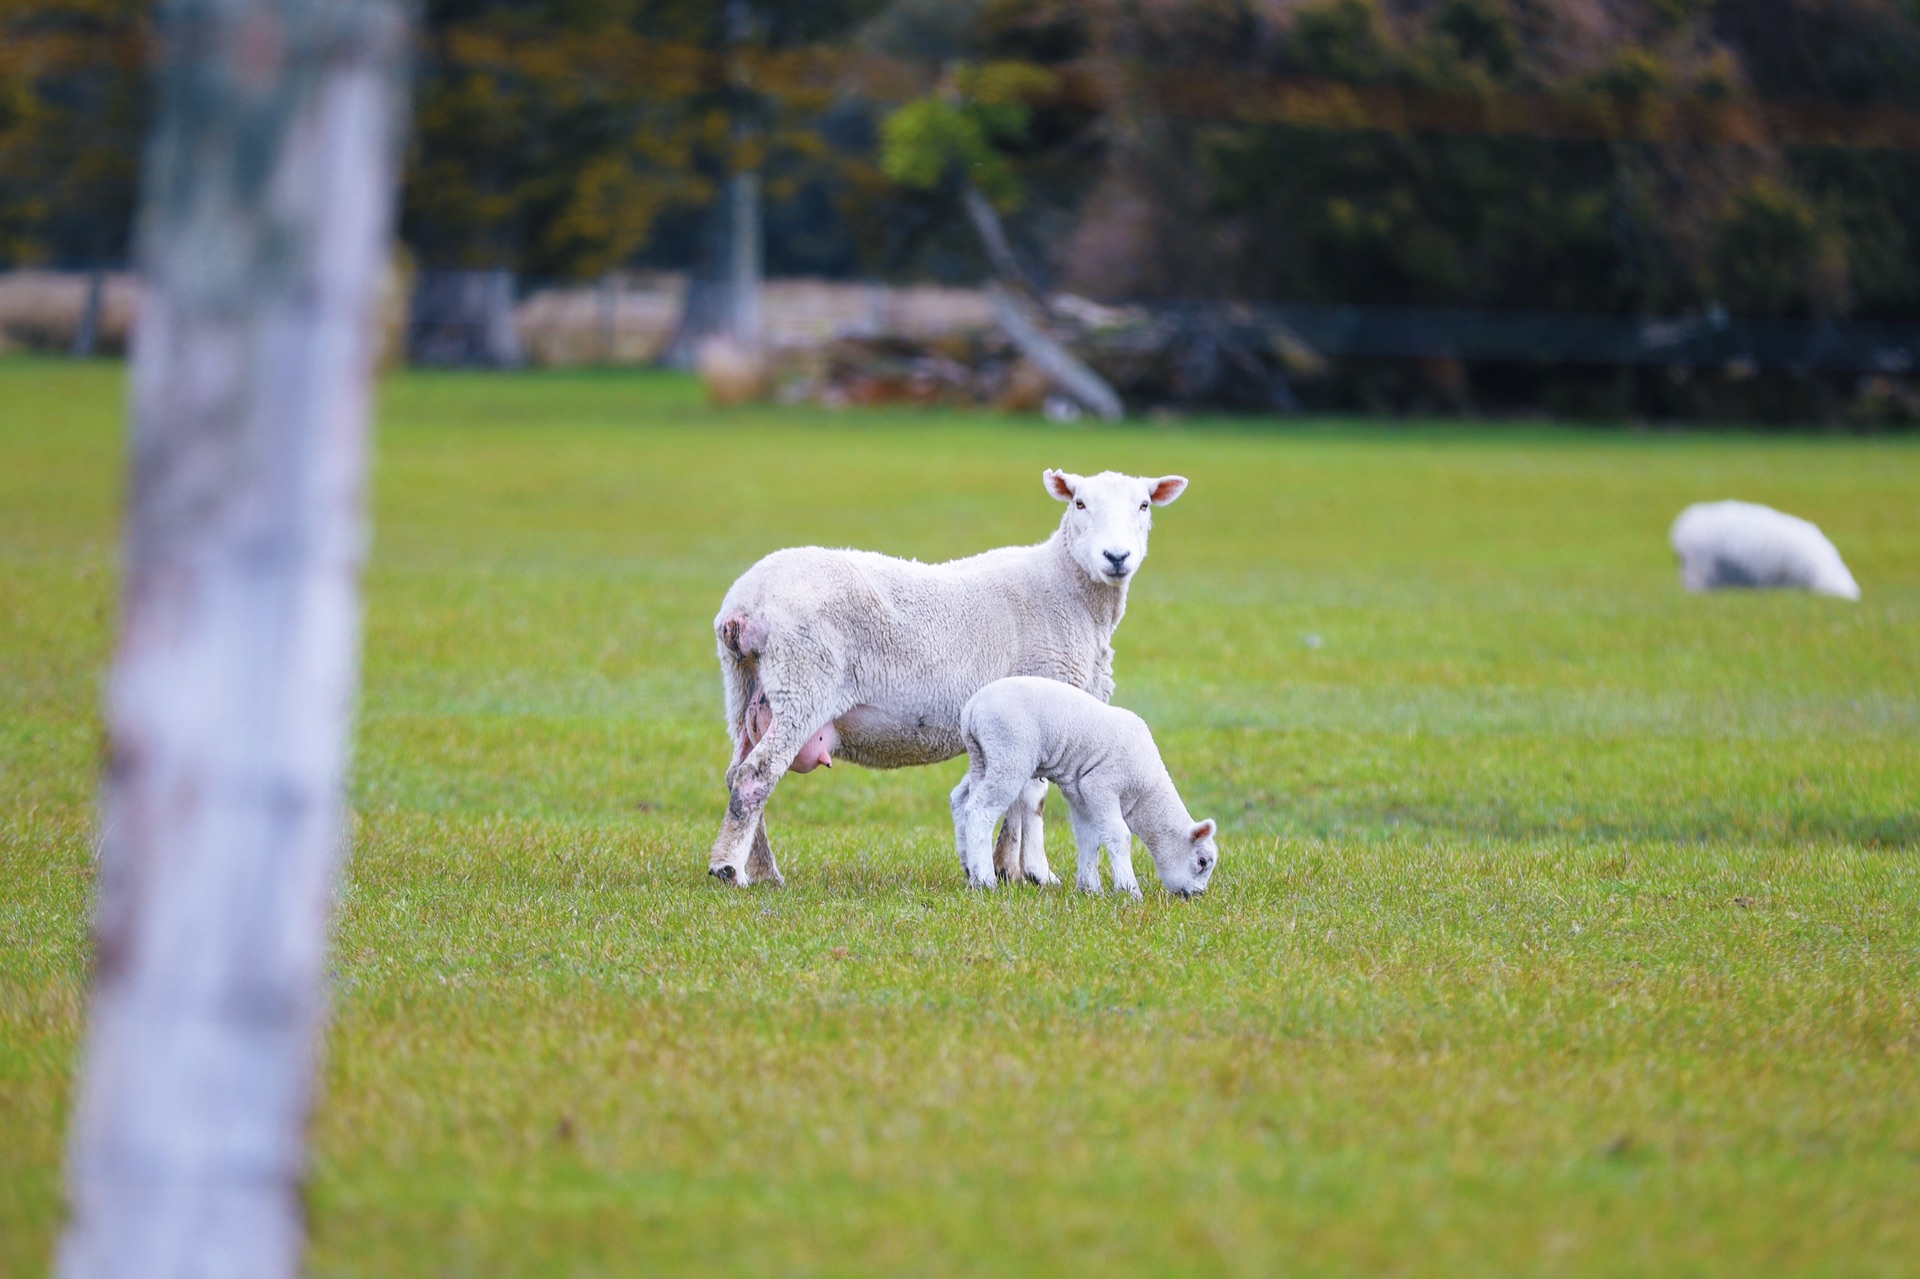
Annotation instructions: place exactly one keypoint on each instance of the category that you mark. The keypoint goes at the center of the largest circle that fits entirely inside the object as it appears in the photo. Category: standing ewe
(865, 657)
(1106, 765)
(1723, 544)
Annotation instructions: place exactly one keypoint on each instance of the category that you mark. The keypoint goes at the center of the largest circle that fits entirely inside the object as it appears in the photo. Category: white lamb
(858, 656)
(1105, 763)
(1723, 544)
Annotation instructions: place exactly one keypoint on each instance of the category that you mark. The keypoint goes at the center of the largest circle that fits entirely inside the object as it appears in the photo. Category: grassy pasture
(1565, 924)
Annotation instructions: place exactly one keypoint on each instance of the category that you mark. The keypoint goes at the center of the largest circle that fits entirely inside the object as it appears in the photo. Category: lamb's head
(1187, 866)
(1108, 518)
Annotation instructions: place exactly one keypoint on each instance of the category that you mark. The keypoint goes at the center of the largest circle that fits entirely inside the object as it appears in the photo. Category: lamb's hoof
(1000, 873)
(722, 872)
(1047, 881)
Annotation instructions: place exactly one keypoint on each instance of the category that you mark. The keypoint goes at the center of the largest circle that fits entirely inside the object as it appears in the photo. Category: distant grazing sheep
(731, 372)
(1743, 544)
(859, 656)
(1105, 763)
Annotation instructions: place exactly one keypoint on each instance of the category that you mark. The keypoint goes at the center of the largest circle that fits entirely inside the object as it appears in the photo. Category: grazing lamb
(1104, 761)
(851, 655)
(1722, 544)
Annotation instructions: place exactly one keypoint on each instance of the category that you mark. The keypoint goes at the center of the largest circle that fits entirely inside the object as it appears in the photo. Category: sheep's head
(1108, 518)
(1188, 868)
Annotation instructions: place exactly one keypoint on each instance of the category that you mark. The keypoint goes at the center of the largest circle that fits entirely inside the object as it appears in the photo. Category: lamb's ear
(1202, 830)
(1168, 487)
(1061, 484)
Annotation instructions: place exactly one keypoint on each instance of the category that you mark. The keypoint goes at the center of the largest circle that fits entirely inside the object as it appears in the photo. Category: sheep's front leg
(1022, 848)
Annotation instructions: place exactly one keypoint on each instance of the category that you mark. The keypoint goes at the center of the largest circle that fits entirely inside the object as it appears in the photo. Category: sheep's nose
(1117, 558)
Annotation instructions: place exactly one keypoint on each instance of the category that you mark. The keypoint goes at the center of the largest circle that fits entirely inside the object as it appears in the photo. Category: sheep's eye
(1078, 505)
(1143, 506)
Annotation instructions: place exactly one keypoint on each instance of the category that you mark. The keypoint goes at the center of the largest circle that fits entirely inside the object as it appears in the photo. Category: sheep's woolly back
(732, 373)
(1744, 544)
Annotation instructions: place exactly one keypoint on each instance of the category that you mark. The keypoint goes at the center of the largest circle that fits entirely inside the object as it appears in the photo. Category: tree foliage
(964, 127)
(72, 105)
(1635, 155)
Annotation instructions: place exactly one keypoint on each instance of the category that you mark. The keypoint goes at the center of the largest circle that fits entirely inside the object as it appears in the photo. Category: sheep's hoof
(1049, 882)
(722, 872)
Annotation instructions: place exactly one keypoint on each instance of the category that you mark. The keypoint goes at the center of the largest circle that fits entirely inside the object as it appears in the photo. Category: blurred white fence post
(266, 222)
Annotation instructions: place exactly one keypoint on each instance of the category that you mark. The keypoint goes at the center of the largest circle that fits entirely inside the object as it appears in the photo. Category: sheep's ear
(1061, 484)
(1168, 487)
(1202, 830)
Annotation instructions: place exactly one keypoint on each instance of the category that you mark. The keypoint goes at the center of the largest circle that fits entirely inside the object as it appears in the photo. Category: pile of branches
(1189, 357)
(963, 370)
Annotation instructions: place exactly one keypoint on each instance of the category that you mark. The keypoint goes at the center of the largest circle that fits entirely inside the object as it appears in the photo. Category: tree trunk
(464, 319)
(87, 336)
(266, 224)
(744, 255)
(1064, 369)
(723, 295)
(993, 239)
(1021, 311)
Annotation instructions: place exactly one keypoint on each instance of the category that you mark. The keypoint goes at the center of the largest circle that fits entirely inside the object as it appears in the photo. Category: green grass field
(1566, 925)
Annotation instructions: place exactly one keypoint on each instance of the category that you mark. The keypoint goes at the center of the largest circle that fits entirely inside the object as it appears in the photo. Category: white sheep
(1105, 763)
(849, 654)
(1723, 544)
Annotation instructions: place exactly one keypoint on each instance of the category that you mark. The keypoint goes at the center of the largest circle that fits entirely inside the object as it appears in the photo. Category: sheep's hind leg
(750, 784)
(1022, 848)
(760, 865)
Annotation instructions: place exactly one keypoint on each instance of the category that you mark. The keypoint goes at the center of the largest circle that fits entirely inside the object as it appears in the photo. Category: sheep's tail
(741, 640)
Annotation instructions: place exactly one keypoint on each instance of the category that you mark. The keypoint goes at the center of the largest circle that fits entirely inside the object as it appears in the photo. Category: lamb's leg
(1119, 842)
(1033, 838)
(1086, 837)
(957, 802)
(981, 797)
(1007, 862)
(973, 833)
(1022, 847)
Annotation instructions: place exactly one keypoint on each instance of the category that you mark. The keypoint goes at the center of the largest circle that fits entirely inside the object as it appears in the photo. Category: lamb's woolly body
(1106, 765)
(1736, 544)
(853, 655)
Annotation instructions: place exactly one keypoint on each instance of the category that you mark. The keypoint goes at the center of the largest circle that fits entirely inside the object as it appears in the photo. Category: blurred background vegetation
(1672, 158)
